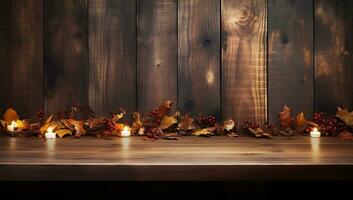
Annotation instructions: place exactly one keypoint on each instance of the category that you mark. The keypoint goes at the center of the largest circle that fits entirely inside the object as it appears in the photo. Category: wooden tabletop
(189, 158)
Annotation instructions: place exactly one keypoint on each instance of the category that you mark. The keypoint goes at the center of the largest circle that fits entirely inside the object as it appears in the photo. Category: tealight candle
(315, 133)
(12, 126)
(125, 132)
(50, 134)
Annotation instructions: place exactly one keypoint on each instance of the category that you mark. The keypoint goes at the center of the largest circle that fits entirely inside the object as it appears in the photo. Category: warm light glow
(315, 133)
(50, 130)
(12, 126)
(50, 134)
(125, 132)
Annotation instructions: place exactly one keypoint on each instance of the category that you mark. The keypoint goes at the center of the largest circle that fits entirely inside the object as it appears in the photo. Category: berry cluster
(206, 121)
(249, 124)
(109, 125)
(328, 125)
(153, 112)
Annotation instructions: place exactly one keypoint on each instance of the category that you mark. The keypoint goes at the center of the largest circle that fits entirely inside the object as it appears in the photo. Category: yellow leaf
(205, 131)
(63, 132)
(167, 121)
(22, 125)
(10, 115)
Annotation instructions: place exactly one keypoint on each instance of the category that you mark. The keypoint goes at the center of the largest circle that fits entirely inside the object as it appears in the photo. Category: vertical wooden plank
(333, 54)
(199, 57)
(244, 48)
(66, 54)
(21, 60)
(290, 57)
(157, 57)
(112, 55)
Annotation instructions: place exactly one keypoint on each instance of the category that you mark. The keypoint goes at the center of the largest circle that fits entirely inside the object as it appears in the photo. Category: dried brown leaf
(285, 118)
(259, 133)
(167, 121)
(300, 121)
(186, 123)
(205, 131)
(345, 135)
(345, 116)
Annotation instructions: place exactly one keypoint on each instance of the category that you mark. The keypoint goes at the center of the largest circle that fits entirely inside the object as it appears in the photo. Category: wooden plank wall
(290, 57)
(229, 58)
(21, 55)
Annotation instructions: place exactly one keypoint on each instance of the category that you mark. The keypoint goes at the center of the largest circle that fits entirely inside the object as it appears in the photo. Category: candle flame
(50, 129)
(13, 123)
(126, 128)
(315, 129)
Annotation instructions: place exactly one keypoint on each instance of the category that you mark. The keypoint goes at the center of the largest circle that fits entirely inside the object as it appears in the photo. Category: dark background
(177, 190)
(231, 58)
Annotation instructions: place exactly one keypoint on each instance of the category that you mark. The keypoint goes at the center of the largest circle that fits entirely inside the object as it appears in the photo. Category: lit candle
(12, 126)
(315, 133)
(125, 132)
(50, 134)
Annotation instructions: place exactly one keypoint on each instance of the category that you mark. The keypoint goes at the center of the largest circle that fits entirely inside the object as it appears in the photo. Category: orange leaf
(285, 118)
(10, 115)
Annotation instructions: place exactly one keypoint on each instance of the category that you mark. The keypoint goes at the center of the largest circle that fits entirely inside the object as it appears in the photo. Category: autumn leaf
(10, 115)
(45, 126)
(137, 124)
(95, 122)
(63, 132)
(22, 125)
(345, 135)
(300, 121)
(164, 108)
(186, 123)
(167, 121)
(3, 123)
(205, 131)
(285, 118)
(78, 126)
(345, 116)
(259, 133)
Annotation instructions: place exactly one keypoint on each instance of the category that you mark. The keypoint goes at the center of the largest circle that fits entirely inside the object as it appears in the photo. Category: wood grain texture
(157, 57)
(290, 57)
(334, 54)
(189, 158)
(199, 57)
(21, 58)
(66, 54)
(244, 48)
(112, 55)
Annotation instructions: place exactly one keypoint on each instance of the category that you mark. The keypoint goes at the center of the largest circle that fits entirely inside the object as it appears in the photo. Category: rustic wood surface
(199, 57)
(333, 54)
(244, 35)
(112, 55)
(65, 54)
(21, 56)
(157, 58)
(189, 158)
(290, 59)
